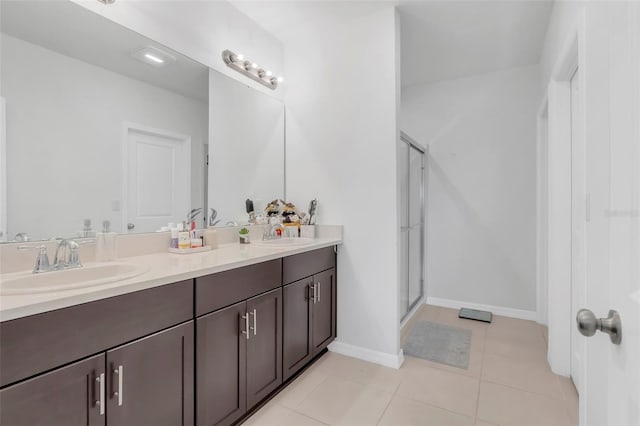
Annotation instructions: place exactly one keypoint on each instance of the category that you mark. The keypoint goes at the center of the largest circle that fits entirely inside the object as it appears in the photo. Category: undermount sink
(285, 242)
(68, 279)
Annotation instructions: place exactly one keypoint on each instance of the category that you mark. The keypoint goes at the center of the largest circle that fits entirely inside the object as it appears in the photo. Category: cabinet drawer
(216, 291)
(38, 343)
(304, 265)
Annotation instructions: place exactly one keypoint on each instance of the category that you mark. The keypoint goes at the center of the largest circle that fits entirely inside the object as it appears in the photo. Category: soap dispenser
(105, 243)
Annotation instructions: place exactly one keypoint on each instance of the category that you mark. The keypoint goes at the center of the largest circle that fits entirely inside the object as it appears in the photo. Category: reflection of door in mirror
(3, 174)
(157, 178)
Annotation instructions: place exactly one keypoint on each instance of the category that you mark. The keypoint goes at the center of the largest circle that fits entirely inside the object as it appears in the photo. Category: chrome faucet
(72, 258)
(42, 260)
(270, 233)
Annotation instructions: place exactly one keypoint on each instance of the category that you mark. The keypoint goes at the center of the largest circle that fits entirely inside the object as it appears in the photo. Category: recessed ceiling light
(154, 56)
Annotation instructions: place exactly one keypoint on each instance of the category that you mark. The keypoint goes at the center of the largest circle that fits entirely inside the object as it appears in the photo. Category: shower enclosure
(411, 169)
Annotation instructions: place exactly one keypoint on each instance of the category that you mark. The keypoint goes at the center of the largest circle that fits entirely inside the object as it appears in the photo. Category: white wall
(200, 30)
(481, 133)
(64, 137)
(342, 97)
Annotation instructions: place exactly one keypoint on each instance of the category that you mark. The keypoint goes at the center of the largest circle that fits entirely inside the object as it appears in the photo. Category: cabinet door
(296, 330)
(68, 396)
(221, 366)
(264, 346)
(323, 323)
(150, 381)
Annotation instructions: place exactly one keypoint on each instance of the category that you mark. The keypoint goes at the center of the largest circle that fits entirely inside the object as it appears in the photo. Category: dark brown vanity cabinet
(239, 347)
(150, 381)
(309, 308)
(147, 381)
(67, 396)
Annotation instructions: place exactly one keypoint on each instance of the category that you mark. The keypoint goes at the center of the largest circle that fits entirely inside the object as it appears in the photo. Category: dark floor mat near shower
(439, 343)
(474, 314)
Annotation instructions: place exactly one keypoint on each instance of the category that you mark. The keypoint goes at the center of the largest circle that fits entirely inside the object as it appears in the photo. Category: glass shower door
(412, 214)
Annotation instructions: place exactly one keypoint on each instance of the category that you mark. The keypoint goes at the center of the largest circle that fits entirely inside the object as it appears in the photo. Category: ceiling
(74, 31)
(441, 40)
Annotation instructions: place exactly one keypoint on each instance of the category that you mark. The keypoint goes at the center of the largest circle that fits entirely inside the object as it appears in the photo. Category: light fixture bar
(250, 69)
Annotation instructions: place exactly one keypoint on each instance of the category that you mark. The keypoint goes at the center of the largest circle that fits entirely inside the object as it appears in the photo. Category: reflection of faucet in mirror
(272, 233)
(72, 258)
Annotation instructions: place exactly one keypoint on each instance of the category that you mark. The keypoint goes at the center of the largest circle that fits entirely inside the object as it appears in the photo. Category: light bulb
(269, 73)
(280, 79)
(254, 65)
(240, 57)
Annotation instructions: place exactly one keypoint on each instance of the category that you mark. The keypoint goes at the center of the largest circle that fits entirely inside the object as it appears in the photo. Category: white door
(611, 392)
(578, 219)
(157, 168)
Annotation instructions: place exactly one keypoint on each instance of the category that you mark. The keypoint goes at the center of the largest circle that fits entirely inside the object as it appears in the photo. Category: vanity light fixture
(251, 69)
(153, 56)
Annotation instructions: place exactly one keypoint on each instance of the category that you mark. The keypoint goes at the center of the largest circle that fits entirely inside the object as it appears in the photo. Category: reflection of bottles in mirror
(86, 232)
(105, 243)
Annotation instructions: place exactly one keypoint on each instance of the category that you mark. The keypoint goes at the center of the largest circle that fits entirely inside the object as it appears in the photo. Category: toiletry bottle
(184, 237)
(174, 236)
(105, 243)
(211, 238)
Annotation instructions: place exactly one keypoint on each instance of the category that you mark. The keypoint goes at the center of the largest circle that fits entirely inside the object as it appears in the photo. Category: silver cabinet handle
(246, 325)
(255, 321)
(319, 287)
(100, 401)
(312, 293)
(119, 372)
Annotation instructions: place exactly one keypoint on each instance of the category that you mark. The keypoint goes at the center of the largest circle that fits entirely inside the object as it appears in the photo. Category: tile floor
(508, 383)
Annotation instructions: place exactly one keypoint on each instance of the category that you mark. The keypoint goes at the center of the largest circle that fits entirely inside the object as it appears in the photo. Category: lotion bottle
(184, 237)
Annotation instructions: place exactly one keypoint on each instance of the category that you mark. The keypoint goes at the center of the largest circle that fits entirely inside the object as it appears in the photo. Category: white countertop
(163, 268)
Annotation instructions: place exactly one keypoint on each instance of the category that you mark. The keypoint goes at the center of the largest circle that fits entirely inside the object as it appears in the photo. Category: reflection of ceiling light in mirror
(154, 56)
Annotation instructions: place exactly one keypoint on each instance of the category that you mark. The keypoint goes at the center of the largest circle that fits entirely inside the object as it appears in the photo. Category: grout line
(484, 350)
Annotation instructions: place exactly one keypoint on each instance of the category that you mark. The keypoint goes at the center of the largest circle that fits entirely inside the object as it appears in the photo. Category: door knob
(588, 324)
(130, 226)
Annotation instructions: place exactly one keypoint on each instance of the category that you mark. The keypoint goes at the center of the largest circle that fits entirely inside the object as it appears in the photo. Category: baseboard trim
(497, 310)
(384, 359)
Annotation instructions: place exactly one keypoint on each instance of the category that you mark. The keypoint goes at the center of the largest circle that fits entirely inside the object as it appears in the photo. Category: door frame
(126, 128)
(3, 170)
(542, 203)
(559, 216)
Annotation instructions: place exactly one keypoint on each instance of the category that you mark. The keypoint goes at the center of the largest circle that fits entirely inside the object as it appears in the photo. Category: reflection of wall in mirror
(3, 173)
(246, 150)
(64, 137)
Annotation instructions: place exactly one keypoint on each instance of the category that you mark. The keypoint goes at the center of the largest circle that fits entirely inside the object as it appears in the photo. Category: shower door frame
(404, 138)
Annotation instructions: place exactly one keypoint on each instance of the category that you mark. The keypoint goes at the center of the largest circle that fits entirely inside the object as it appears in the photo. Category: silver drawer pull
(319, 287)
(100, 401)
(119, 372)
(312, 293)
(255, 321)
(246, 325)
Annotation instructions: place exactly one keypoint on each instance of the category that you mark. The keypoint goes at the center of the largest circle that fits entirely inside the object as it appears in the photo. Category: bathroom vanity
(202, 350)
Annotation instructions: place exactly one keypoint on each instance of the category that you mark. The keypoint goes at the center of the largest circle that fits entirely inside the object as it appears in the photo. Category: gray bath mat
(440, 343)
